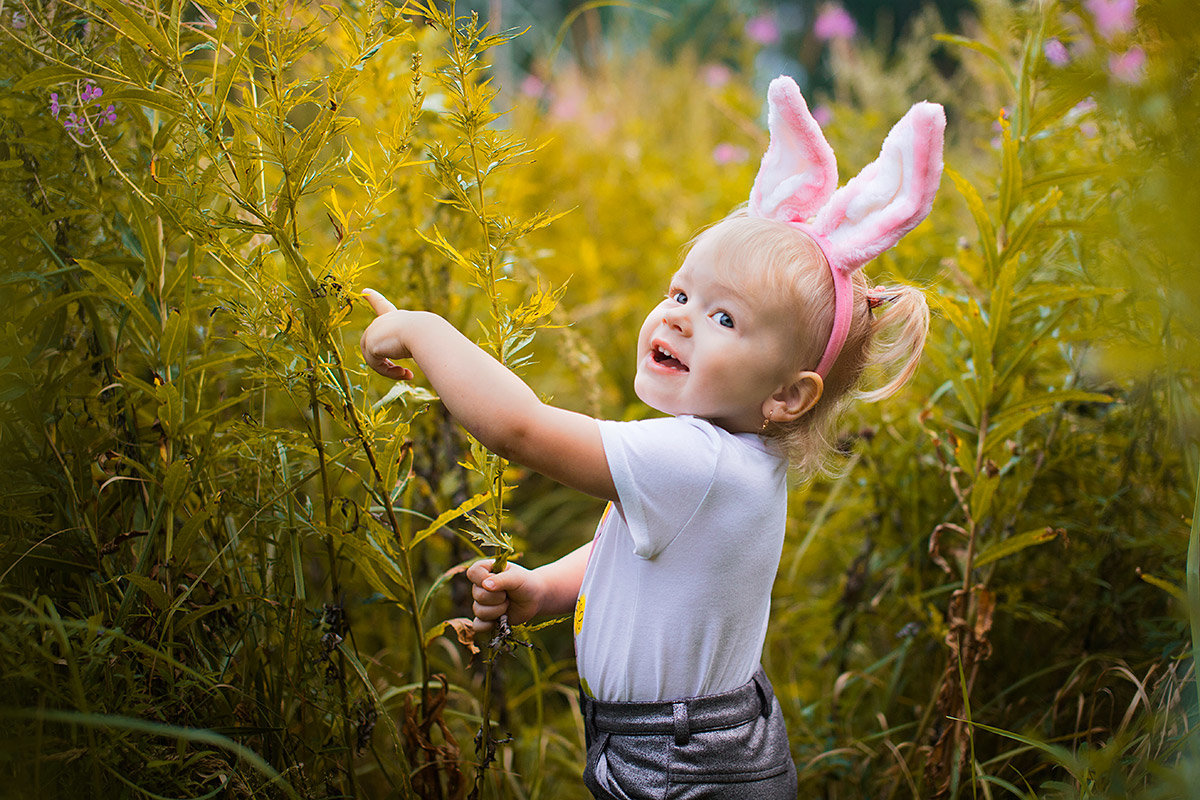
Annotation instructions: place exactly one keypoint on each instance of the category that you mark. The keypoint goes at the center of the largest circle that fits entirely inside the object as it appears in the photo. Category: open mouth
(666, 358)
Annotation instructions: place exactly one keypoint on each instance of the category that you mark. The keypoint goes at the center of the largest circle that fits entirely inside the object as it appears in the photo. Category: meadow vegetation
(230, 554)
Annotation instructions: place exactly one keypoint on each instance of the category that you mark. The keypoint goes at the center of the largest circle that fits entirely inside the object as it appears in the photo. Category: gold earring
(766, 422)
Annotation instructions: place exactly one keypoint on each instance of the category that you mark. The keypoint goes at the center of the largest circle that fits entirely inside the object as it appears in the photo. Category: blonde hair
(770, 256)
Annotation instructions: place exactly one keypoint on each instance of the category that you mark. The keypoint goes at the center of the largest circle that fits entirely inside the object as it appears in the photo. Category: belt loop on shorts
(682, 731)
(766, 697)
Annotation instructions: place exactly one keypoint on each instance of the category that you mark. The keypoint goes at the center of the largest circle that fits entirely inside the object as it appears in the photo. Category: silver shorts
(730, 746)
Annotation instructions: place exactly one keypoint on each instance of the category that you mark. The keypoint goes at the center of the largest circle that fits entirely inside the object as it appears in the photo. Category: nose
(678, 319)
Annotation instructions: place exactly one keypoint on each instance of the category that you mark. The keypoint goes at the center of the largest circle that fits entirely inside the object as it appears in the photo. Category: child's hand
(516, 591)
(383, 340)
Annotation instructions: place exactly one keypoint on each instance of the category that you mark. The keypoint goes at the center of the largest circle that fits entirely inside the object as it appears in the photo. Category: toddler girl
(764, 331)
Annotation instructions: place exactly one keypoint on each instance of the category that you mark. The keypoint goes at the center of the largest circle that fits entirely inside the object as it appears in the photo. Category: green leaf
(1001, 298)
(980, 47)
(152, 588)
(123, 294)
(107, 723)
(1010, 172)
(1013, 418)
(1018, 238)
(175, 480)
(981, 352)
(170, 408)
(174, 339)
(1165, 585)
(462, 508)
(405, 393)
(1060, 754)
(1053, 295)
(187, 533)
(983, 222)
(390, 458)
(982, 492)
(1015, 544)
(157, 99)
(442, 579)
(228, 74)
(51, 76)
(130, 24)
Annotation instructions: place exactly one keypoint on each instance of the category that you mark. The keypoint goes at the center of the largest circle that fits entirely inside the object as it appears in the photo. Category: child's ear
(793, 400)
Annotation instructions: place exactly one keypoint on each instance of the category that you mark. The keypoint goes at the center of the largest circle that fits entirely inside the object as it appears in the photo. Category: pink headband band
(797, 184)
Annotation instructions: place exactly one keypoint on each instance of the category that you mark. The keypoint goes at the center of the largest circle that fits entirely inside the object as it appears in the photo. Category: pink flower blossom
(726, 153)
(1112, 17)
(763, 29)
(532, 86)
(1128, 67)
(1056, 53)
(716, 75)
(834, 22)
(823, 115)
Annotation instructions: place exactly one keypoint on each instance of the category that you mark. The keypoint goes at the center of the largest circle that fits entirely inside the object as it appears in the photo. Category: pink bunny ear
(798, 172)
(879, 205)
(889, 197)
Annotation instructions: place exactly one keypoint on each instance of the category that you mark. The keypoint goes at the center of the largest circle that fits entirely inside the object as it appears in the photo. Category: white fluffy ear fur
(890, 196)
(798, 172)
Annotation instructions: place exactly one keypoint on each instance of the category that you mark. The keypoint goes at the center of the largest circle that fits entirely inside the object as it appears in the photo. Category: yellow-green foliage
(230, 553)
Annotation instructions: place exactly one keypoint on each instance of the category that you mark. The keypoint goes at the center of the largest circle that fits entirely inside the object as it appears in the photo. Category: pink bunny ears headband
(797, 180)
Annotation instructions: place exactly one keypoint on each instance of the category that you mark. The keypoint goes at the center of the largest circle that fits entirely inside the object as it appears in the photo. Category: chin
(663, 405)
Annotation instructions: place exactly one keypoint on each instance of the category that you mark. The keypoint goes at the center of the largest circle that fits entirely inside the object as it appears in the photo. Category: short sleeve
(662, 470)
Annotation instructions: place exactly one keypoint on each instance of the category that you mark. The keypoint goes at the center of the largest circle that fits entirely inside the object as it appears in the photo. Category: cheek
(648, 326)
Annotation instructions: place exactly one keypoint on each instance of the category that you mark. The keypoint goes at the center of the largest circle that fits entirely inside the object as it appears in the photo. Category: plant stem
(1193, 583)
(334, 581)
(385, 500)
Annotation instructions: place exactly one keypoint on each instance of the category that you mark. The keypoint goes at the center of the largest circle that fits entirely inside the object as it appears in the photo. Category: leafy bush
(230, 553)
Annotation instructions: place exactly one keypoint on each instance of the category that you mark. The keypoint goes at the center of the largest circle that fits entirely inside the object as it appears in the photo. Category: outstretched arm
(487, 398)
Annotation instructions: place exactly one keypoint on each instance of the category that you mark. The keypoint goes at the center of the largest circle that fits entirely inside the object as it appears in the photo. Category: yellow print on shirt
(579, 604)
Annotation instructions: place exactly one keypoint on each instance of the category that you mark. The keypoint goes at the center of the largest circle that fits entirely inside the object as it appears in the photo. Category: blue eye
(723, 319)
(679, 297)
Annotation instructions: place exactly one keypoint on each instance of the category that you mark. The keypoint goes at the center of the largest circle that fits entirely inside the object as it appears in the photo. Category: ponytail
(899, 321)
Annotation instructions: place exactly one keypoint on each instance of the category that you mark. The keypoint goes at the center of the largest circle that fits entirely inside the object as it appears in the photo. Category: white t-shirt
(677, 592)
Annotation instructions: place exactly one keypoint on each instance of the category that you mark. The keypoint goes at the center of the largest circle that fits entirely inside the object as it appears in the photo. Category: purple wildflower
(108, 115)
(1112, 17)
(1128, 67)
(763, 29)
(1056, 53)
(54, 107)
(73, 123)
(834, 22)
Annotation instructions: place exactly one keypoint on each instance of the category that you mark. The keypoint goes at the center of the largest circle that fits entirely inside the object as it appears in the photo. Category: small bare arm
(487, 398)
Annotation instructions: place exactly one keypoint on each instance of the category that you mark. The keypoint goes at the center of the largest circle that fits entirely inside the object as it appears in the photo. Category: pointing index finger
(380, 304)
